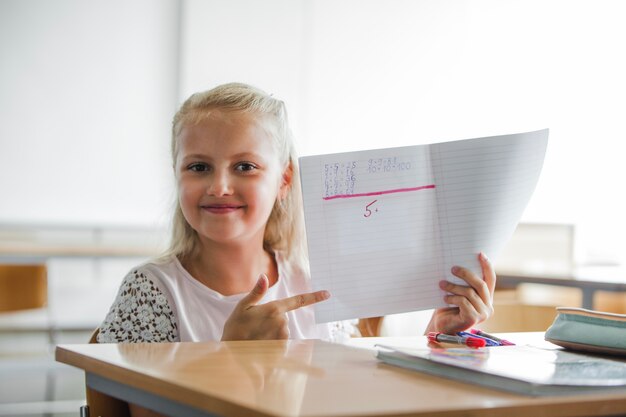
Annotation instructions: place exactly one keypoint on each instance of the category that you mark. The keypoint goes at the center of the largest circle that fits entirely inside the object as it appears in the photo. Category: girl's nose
(220, 185)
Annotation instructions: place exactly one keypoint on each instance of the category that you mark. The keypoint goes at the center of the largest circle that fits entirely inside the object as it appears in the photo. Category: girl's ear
(286, 180)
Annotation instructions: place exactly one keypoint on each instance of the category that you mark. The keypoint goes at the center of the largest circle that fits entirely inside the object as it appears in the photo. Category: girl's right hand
(252, 321)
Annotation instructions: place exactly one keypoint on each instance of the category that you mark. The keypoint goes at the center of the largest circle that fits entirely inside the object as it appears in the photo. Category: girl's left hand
(474, 303)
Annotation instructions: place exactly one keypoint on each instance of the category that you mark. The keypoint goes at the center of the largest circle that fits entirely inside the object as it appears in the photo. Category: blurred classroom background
(88, 90)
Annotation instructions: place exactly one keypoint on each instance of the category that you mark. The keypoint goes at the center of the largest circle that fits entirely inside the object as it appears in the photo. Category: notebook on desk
(521, 369)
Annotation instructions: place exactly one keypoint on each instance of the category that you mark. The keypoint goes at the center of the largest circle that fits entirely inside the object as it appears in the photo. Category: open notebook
(522, 369)
(384, 226)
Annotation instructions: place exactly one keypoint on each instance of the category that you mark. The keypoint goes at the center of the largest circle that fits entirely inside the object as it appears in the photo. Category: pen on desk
(488, 341)
(503, 342)
(459, 340)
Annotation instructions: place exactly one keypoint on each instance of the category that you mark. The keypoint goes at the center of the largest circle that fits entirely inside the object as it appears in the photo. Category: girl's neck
(231, 269)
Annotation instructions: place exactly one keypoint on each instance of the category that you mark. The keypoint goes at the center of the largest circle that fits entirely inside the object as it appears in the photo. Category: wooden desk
(588, 280)
(301, 378)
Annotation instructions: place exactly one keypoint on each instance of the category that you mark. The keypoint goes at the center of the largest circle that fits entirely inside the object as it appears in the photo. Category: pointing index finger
(300, 300)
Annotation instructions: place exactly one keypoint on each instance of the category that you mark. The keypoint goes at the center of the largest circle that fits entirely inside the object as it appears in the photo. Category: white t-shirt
(162, 302)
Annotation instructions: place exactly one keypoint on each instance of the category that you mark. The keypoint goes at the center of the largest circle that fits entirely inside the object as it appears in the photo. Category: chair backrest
(518, 317)
(23, 287)
(370, 327)
(102, 405)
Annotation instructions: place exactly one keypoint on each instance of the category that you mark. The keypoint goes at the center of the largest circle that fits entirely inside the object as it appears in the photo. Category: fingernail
(443, 284)
(483, 256)
(325, 295)
(455, 269)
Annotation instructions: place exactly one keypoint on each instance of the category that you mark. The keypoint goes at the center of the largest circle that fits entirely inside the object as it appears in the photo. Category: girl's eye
(198, 167)
(245, 166)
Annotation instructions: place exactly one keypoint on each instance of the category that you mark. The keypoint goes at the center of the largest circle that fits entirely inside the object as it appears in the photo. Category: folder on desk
(521, 369)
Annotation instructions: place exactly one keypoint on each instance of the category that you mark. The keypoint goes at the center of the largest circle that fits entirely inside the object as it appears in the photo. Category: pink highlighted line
(397, 190)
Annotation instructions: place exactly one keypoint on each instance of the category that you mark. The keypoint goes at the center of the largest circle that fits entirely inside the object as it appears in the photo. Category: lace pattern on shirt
(140, 313)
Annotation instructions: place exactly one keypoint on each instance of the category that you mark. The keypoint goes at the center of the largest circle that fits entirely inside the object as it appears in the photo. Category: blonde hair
(284, 229)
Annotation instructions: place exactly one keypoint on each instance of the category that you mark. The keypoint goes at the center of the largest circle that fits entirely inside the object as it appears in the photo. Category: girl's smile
(221, 208)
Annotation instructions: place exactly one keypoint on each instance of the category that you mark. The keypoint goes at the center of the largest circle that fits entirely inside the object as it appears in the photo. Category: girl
(236, 266)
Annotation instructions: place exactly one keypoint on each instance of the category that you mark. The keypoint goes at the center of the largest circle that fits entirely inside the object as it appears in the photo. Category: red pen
(474, 342)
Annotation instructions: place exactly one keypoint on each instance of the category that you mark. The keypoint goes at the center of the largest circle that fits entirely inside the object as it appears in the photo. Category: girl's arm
(140, 313)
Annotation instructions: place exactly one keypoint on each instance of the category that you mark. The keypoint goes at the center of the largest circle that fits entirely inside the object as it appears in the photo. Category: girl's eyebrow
(195, 156)
(241, 155)
(247, 155)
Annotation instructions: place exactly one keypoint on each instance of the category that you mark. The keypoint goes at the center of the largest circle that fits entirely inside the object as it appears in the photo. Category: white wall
(362, 74)
(89, 88)
(88, 92)
(257, 42)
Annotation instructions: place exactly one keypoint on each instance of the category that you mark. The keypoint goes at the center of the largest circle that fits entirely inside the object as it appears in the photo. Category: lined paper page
(483, 186)
(385, 226)
(372, 231)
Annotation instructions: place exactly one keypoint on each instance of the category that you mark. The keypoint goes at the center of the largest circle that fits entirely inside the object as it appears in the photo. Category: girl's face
(229, 176)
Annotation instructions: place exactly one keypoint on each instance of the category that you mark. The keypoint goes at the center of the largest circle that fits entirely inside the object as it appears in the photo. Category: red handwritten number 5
(368, 212)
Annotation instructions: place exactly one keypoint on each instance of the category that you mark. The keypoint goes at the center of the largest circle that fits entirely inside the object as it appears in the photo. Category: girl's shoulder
(143, 310)
(159, 271)
(158, 266)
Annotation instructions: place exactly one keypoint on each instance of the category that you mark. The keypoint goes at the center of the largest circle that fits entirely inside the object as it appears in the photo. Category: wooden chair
(23, 287)
(370, 327)
(102, 405)
(517, 317)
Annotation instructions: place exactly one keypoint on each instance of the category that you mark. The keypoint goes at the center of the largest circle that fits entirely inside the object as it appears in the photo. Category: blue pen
(490, 342)
(502, 342)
